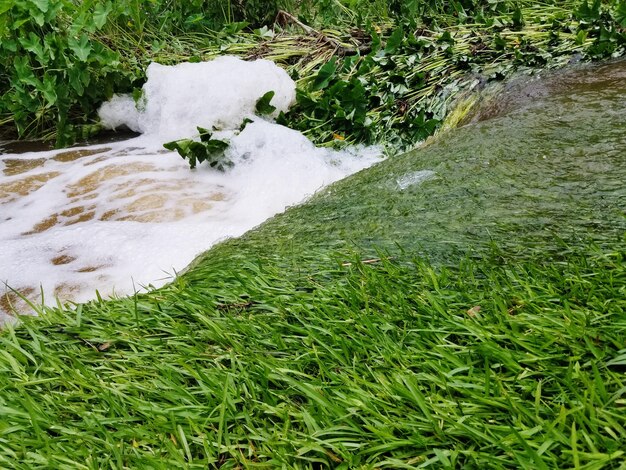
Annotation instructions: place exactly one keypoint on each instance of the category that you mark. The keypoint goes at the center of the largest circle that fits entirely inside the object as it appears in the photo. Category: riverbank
(373, 365)
(458, 306)
(367, 72)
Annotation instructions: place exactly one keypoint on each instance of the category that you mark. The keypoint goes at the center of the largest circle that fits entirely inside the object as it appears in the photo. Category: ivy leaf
(205, 134)
(263, 106)
(43, 5)
(181, 145)
(36, 11)
(80, 47)
(325, 75)
(100, 14)
(9, 45)
(394, 41)
(518, 18)
(24, 71)
(355, 102)
(215, 146)
(33, 44)
(48, 89)
(589, 12)
(74, 75)
(247, 121)
(211, 150)
(197, 151)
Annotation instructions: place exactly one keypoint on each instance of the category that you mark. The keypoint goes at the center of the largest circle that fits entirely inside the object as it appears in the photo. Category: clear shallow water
(538, 173)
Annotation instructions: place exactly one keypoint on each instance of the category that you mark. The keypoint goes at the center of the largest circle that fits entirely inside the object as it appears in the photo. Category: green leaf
(394, 41)
(247, 121)
(620, 13)
(33, 44)
(137, 95)
(205, 134)
(446, 37)
(589, 12)
(178, 145)
(37, 14)
(518, 18)
(198, 151)
(9, 45)
(236, 27)
(48, 89)
(100, 14)
(263, 106)
(81, 47)
(74, 75)
(5, 6)
(325, 75)
(214, 146)
(211, 150)
(43, 5)
(24, 71)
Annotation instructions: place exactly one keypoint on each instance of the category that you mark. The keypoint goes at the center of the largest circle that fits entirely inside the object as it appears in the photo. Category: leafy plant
(207, 150)
(56, 72)
(387, 71)
(263, 106)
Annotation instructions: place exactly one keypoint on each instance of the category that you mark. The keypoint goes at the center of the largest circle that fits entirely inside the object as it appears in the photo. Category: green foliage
(398, 93)
(207, 150)
(389, 79)
(607, 24)
(60, 59)
(263, 106)
(212, 150)
(56, 73)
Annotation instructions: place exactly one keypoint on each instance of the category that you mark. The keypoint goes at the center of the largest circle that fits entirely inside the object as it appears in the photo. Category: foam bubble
(120, 111)
(415, 178)
(217, 94)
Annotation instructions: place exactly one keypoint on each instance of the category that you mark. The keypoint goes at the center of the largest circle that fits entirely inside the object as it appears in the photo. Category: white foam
(414, 179)
(120, 111)
(217, 94)
(135, 214)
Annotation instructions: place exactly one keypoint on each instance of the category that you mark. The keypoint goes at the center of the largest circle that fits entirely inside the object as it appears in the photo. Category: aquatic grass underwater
(246, 364)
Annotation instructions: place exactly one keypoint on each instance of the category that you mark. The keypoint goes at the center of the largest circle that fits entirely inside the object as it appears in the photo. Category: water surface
(539, 171)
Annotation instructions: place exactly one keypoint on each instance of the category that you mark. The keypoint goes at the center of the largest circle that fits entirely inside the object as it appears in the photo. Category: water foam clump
(218, 94)
(131, 214)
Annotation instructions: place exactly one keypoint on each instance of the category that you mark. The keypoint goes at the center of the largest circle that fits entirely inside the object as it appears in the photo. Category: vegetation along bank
(367, 72)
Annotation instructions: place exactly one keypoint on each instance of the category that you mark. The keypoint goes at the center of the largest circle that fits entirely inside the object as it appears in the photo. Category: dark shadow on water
(25, 146)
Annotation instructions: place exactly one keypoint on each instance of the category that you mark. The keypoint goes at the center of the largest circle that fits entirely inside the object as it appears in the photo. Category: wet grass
(299, 345)
(389, 364)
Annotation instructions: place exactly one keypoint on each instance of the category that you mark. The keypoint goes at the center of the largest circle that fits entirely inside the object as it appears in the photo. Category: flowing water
(538, 171)
(123, 215)
(535, 171)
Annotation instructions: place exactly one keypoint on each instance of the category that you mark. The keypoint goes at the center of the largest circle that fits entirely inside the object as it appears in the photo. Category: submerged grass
(369, 365)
